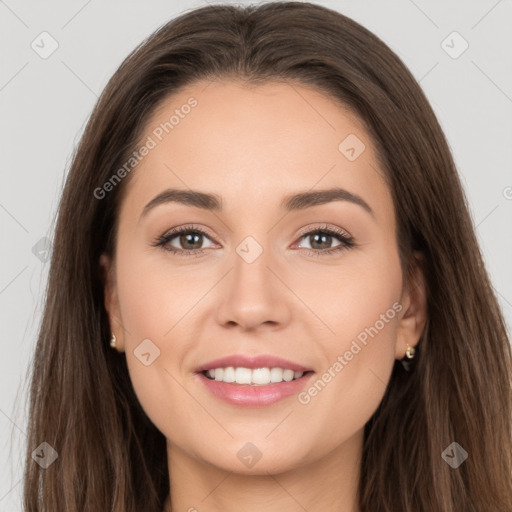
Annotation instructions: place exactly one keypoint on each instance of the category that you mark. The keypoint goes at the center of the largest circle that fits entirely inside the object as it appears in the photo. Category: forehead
(253, 142)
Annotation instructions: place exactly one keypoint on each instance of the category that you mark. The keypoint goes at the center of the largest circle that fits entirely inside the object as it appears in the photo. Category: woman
(368, 370)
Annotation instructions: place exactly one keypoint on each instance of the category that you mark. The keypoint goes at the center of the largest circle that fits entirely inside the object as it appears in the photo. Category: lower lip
(245, 395)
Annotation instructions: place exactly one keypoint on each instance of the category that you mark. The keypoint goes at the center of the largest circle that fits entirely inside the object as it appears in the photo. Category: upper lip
(260, 361)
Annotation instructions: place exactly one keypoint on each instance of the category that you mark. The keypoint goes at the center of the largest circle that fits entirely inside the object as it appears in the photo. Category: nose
(253, 294)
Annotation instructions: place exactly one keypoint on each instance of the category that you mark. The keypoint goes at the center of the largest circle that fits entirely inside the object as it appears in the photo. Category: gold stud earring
(113, 341)
(409, 353)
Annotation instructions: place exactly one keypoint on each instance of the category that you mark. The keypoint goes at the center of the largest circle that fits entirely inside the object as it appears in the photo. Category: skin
(253, 146)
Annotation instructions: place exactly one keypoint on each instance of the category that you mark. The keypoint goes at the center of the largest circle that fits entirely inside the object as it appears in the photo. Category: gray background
(45, 104)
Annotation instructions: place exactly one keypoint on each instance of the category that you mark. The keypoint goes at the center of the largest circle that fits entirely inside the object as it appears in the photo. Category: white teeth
(276, 375)
(242, 375)
(229, 374)
(256, 377)
(261, 376)
(288, 375)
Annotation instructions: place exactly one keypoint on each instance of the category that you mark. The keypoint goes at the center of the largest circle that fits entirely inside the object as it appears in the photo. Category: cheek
(353, 295)
(368, 308)
(153, 302)
(347, 391)
(360, 304)
(154, 296)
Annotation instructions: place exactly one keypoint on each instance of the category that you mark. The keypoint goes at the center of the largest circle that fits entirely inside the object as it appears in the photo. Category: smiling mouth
(253, 377)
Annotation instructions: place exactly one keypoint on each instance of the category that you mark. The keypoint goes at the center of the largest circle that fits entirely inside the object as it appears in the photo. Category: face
(316, 283)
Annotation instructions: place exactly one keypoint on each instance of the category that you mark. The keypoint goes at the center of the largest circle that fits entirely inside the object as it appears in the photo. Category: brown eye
(321, 239)
(185, 241)
(190, 240)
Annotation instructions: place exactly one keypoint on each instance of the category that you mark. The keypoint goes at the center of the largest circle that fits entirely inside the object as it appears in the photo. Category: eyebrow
(296, 201)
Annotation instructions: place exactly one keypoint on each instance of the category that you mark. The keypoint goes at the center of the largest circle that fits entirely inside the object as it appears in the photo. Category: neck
(328, 484)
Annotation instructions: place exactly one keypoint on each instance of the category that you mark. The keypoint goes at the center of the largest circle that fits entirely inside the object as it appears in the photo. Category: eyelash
(347, 242)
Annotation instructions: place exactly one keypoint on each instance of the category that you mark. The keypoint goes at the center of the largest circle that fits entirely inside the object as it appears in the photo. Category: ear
(414, 312)
(111, 301)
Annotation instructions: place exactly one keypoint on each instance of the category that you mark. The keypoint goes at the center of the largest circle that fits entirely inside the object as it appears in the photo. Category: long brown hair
(110, 455)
